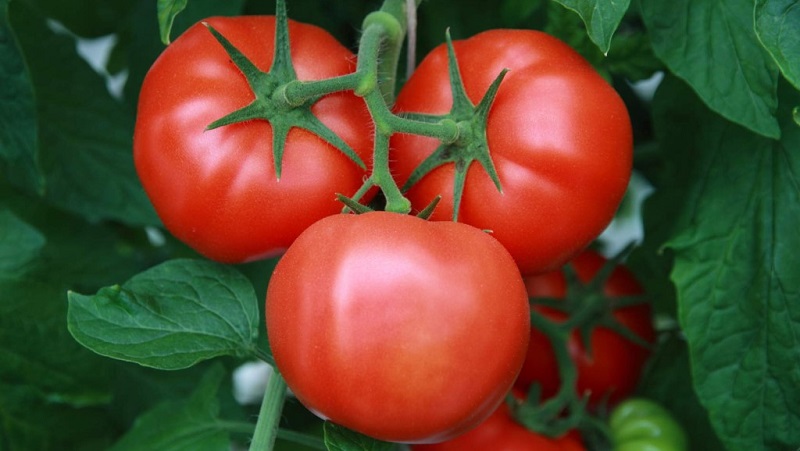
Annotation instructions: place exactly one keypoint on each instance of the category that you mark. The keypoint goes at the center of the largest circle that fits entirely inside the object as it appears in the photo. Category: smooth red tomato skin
(216, 190)
(612, 370)
(559, 135)
(399, 328)
(500, 432)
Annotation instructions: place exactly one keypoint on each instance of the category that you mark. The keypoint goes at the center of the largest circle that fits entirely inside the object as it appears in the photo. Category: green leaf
(736, 270)
(84, 134)
(43, 253)
(712, 45)
(54, 251)
(338, 438)
(777, 25)
(53, 392)
(189, 424)
(36, 349)
(20, 243)
(516, 11)
(170, 316)
(28, 422)
(632, 57)
(167, 10)
(602, 17)
(18, 126)
(87, 18)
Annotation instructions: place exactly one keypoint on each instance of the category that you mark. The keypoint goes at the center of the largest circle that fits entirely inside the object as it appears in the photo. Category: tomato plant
(500, 432)
(250, 126)
(404, 330)
(639, 423)
(217, 189)
(609, 364)
(558, 134)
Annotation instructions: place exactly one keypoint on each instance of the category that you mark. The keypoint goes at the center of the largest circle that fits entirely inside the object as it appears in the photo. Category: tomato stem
(270, 413)
(297, 92)
(263, 356)
(566, 410)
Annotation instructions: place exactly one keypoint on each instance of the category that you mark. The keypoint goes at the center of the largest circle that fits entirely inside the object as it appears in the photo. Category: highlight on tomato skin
(217, 190)
(559, 135)
(404, 330)
(611, 371)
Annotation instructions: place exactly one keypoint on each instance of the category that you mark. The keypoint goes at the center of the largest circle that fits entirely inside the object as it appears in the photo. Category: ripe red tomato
(216, 190)
(501, 433)
(559, 135)
(399, 328)
(612, 369)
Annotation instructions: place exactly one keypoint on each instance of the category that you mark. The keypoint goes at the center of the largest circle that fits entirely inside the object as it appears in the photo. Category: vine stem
(374, 80)
(559, 336)
(269, 415)
(566, 410)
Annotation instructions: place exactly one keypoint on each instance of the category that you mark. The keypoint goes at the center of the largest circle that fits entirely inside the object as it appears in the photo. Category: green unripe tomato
(642, 425)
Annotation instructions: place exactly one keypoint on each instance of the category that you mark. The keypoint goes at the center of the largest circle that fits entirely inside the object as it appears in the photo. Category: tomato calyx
(567, 409)
(271, 102)
(352, 205)
(585, 306)
(471, 144)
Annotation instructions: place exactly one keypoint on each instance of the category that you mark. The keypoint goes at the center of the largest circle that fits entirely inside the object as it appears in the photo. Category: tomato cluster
(401, 328)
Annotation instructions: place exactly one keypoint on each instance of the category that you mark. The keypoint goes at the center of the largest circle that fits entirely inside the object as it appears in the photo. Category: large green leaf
(778, 28)
(29, 422)
(18, 126)
(84, 135)
(712, 45)
(87, 18)
(170, 316)
(20, 243)
(188, 424)
(602, 17)
(53, 391)
(42, 254)
(631, 58)
(736, 266)
(36, 349)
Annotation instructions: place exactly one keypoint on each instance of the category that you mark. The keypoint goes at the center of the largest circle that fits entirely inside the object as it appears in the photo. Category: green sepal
(353, 205)
(270, 103)
(282, 65)
(588, 307)
(461, 103)
(471, 145)
(426, 212)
